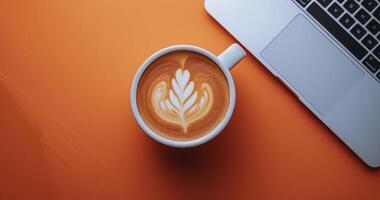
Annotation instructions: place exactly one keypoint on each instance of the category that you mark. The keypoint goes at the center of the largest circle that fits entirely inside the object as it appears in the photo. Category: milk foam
(183, 103)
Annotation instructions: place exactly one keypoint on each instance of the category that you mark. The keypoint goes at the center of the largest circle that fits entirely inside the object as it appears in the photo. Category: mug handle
(231, 56)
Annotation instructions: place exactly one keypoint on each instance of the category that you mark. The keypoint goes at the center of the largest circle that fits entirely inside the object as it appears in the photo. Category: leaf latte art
(182, 96)
(181, 104)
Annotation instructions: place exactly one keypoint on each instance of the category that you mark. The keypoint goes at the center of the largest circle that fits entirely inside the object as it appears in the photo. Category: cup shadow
(214, 161)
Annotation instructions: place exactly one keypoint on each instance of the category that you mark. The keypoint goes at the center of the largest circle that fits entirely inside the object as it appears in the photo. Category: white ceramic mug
(226, 61)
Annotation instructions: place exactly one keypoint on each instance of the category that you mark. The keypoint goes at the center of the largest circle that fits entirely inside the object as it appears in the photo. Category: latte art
(182, 96)
(182, 105)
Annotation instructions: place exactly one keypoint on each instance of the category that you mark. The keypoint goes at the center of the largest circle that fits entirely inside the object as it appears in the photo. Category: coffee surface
(183, 95)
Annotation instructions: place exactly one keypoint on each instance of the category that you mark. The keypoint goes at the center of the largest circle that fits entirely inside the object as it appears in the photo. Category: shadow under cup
(182, 95)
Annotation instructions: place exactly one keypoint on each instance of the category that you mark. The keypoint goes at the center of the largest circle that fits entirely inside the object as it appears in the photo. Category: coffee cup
(187, 100)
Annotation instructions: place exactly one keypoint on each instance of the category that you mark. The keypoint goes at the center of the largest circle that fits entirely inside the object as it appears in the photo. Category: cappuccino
(182, 95)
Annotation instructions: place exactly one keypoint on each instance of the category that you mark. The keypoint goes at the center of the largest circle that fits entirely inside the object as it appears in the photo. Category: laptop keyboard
(354, 23)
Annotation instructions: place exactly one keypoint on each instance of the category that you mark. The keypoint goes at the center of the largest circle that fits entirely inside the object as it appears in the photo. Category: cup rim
(191, 143)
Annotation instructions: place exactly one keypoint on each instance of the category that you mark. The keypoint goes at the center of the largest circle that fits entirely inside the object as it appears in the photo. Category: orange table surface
(67, 130)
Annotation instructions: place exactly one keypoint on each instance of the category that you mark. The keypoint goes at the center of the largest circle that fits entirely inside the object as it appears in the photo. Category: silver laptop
(326, 51)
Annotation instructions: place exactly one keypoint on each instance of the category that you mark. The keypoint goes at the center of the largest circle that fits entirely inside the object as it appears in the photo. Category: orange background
(67, 131)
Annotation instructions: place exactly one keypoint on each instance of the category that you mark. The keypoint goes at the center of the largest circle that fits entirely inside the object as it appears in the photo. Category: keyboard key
(372, 64)
(340, 1)
(376, 14)
(324, 3)
(376, 52)
(373, 27)
(358, 31)
(337, 31)
(369, 4)
(369, 42)
(378, 76)
(347, 21)
(303, 3)
(336, 10)
(362, 16)
(351, 6)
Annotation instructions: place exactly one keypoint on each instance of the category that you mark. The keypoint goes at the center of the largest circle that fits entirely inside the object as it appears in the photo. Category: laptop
(326, 51)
